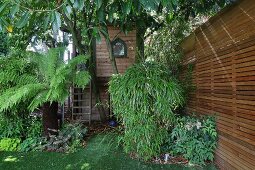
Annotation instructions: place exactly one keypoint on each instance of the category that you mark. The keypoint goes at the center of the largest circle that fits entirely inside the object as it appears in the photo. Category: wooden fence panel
(224, 76)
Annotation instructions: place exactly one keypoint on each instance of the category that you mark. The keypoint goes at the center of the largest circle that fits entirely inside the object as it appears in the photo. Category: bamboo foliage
(144, 99)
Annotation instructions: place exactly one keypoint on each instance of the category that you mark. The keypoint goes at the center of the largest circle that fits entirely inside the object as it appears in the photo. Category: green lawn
(100, 153)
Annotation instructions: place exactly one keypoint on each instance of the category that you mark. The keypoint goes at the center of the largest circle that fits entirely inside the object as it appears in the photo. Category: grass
(101, 153)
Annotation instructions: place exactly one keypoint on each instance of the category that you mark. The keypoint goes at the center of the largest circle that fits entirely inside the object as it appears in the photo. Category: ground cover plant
(68, 139)
(193, 137)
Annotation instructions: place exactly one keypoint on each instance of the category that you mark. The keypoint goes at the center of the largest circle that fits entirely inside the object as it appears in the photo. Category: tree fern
(51, 83)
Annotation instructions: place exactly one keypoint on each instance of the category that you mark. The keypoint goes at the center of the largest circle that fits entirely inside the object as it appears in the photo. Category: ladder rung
(80, 100)
(81, 120)
(75, 114)
(81, 107)
(81, 88)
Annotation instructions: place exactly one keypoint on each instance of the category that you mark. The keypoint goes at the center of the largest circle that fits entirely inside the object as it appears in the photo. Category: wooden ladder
(82, 104)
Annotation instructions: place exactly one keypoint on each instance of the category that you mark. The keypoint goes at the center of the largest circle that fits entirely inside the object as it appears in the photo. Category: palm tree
(49, 86)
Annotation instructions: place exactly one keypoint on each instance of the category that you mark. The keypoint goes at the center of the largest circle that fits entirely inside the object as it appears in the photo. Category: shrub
(9, 144)
(195, 139)
(34, 127)
(145, 99)
(68, 139)
(11, 127)
(32, 144)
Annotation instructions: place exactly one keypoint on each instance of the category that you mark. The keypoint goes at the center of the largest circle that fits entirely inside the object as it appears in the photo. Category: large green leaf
(46, 22)
(2, 7)
(101, 14)
(127, 7)
(67, 10)
(4, 22)
(149, 5)
(98, 3)
(24, 19)
(56, 24)
(14, 10)
(58, 19)
(78, 4)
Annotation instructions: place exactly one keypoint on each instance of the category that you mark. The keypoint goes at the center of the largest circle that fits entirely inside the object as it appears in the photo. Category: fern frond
(38, 100)
(14, 96)
(53, 61)
(78, 60)
(59, 94)
(49, 62)
(26, 79)
(81, 79)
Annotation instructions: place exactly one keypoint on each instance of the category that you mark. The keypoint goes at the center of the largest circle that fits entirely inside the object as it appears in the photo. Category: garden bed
(100, 153)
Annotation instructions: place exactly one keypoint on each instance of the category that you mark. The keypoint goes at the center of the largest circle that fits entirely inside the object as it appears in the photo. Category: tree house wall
(104, 68)
(103, 64)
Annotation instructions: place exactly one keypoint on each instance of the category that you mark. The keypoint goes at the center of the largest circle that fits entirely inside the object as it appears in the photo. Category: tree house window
(119, 48)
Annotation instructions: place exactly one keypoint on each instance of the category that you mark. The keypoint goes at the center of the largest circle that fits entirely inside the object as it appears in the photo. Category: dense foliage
(68, 139)
(15, 131)
(4, 49)
(11, 127)
(9, 144)
(164, 45)
(49, 83)
(144, 99)
(194, 138)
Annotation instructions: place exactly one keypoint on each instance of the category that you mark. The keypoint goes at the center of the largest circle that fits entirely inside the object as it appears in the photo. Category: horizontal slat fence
(224, 76)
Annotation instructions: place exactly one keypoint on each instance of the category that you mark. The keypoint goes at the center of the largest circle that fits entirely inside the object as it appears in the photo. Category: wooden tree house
(83, 103)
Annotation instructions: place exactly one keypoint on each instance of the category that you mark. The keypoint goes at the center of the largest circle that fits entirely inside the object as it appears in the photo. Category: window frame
(119, 40)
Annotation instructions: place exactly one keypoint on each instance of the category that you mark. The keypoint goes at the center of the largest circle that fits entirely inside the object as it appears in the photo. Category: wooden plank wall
(103, 64)
(224, 76)
(104, 68)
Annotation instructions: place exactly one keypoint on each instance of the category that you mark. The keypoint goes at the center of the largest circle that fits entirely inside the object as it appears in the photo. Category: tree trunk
(95, 87)
(111, 57)
(140, 32)
(49, 118)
